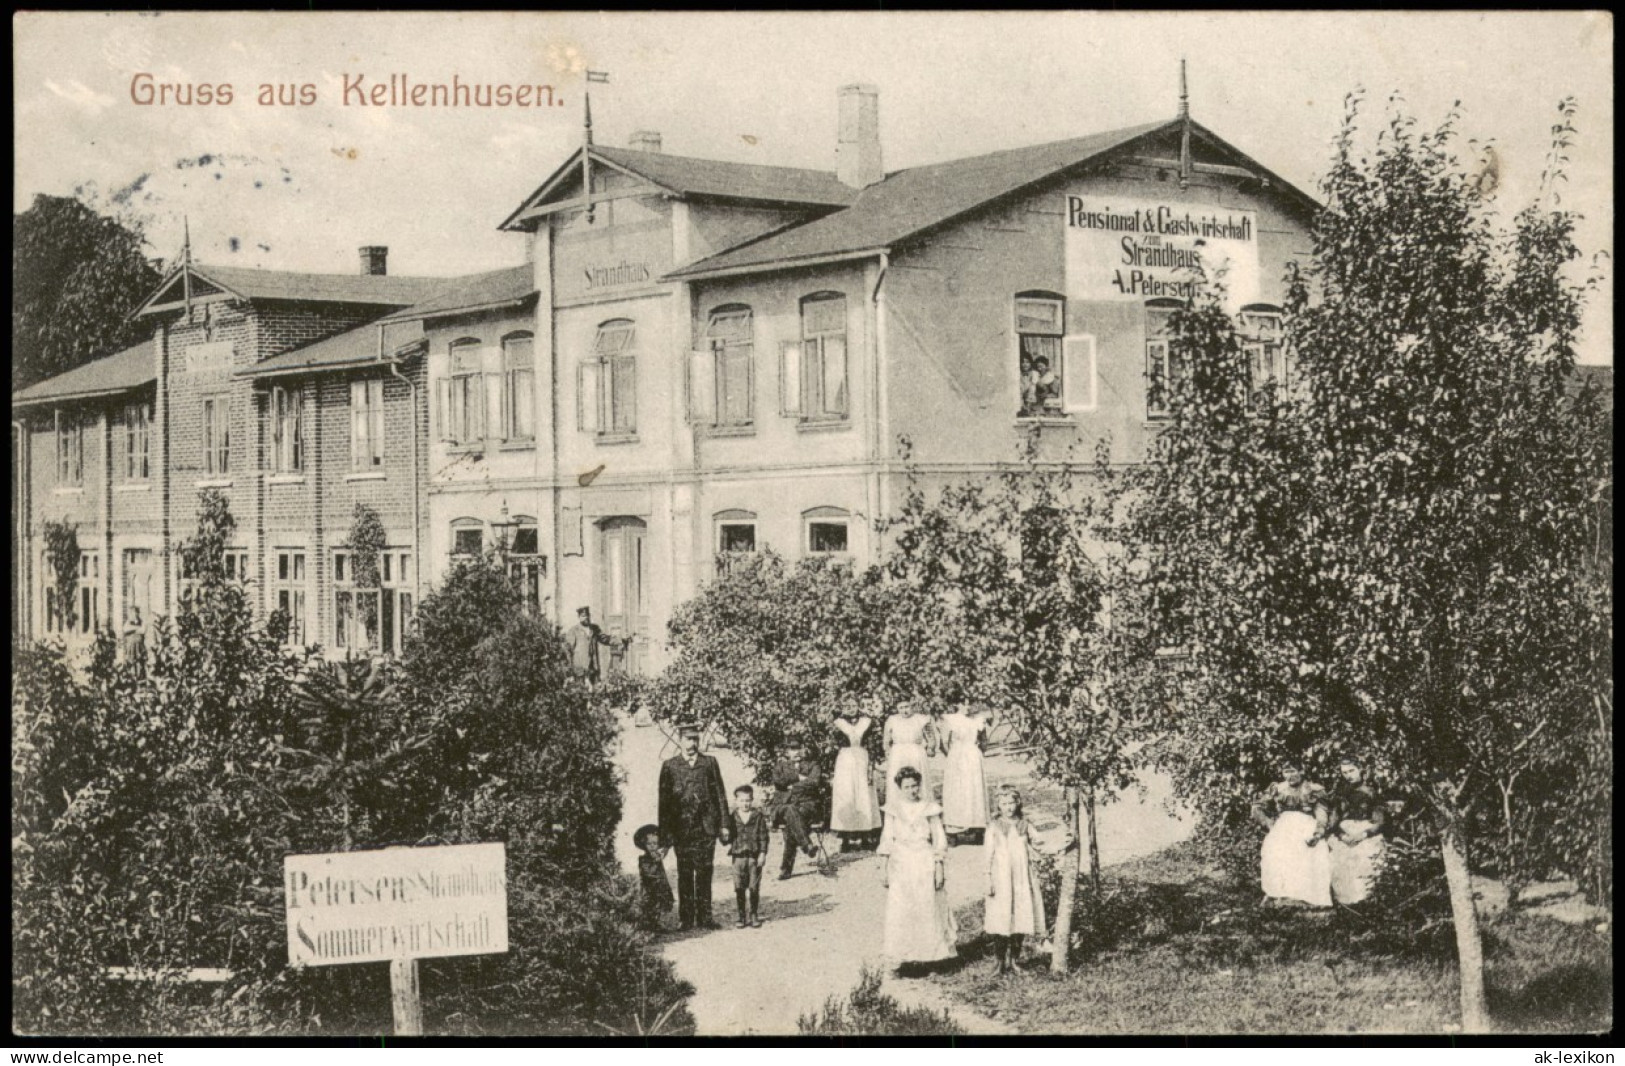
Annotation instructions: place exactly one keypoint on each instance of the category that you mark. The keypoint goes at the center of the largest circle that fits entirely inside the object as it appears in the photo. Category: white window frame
(1040, 317)
(1160, 370)
(287, 404)
(128, 592)
(607, 381)
(290, 591)
(1262, 339)
(88, 591)
(527, 569)
(730, 347)
(217, 435)
(347, 612)
(70, 448)
(804, 366)
(395, 607)
(366, 425)
(462, 393)
(724, 520)
(822, 516)
(138, 441)
(467, 525)
(518, 387)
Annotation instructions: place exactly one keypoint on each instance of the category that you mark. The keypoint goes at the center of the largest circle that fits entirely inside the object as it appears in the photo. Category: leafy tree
(1391, 561)
(1005, 603)
(769, 650)
(77, 276)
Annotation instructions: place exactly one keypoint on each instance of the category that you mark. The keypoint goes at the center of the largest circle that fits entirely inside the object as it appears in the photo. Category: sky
(300, 187)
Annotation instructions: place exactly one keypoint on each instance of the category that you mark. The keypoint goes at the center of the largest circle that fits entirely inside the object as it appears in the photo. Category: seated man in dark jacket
(799, 787)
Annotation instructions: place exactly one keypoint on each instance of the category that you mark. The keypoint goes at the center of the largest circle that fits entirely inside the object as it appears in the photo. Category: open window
(722, 375)
(607, 381)
(828, 532)
(735, 536)
(1261, 334)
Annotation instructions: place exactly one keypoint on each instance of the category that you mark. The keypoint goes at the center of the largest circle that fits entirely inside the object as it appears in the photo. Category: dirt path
(818, 931)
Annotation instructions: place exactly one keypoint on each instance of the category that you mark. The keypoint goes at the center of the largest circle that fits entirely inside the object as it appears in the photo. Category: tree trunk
(1071, 867)
(1464, 913)
(1094, 843)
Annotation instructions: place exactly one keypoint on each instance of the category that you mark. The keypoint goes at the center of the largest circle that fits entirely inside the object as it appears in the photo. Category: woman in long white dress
(964, 785)
(853, 811)
(1357, 842)
(908, 737)
(1014, 905)
(1294, 862)
(920, 925)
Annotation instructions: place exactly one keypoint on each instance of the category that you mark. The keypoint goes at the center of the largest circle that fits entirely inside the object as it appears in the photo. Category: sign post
(397, 905)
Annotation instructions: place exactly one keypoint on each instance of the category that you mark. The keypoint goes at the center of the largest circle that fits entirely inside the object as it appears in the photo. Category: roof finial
(1184, 93)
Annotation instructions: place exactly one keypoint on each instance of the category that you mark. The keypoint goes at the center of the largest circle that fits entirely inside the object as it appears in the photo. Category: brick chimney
(857, 142)
(645, 141)
(374, 259)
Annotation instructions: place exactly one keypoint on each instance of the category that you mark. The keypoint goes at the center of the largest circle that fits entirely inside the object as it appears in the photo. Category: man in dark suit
(693, 805)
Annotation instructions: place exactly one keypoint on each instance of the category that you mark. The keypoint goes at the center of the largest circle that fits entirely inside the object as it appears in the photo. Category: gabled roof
(477, 292)
(108, 376)
(246, 283)
(347, 350)
(690, 177)
(909, 203)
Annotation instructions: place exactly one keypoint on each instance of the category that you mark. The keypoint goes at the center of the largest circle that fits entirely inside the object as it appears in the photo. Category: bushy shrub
(153, 809)
(867, 1011)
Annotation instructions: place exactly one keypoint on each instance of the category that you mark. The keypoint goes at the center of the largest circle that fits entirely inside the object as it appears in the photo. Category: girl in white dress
(908, 737)
(964, 786)
(852, 809)
(1014, 907)
(1294, 862)
(920, 926)
(1357, 843)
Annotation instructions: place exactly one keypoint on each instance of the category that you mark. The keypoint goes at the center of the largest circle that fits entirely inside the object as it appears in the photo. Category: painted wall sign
(397, 903)
(1125, 249)
(206, 357)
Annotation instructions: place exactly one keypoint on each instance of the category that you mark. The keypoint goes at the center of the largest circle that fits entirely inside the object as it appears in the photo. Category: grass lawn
(1183, 952)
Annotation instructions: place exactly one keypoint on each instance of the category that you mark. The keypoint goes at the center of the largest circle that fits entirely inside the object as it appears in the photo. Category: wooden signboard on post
(397, 905)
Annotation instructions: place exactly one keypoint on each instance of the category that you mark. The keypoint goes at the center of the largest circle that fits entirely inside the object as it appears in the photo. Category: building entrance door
(622, 580)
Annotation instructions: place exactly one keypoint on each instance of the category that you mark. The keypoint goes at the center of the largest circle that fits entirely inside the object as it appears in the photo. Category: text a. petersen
(336, 917)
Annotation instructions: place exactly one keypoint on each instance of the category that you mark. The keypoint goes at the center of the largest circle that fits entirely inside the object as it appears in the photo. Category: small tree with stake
(1009, 608)
(1392, 560)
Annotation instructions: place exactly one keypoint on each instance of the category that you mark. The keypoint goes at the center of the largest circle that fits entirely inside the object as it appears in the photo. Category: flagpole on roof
(586, 139)
(1185, 128)
(186, 264)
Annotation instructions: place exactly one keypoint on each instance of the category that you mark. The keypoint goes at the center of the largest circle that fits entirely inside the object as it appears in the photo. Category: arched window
(1040, 323)
(1163, 369)
(607, 381)
(730, 337)
(526, 565)
(518, 387)
(467, 536)
(813, 370)
(828, 530)
(736, 535)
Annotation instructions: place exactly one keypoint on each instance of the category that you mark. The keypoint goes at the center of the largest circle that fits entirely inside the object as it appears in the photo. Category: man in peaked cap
(693, 805)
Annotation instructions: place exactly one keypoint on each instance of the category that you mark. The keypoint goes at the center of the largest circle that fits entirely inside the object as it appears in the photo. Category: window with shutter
(731, 339)
(518, 387)
(609, 381)
(1040, 322)
(1163, 370)
(465, 394)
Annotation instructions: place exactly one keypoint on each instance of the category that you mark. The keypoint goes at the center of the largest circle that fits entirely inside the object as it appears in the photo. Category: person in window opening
(583, 640)
(1029, 385)
(1047, 387)
(132, 644)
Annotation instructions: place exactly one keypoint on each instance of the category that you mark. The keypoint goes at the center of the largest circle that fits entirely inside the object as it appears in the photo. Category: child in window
(1029, 386)
(1047, 386)
(657, 899)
